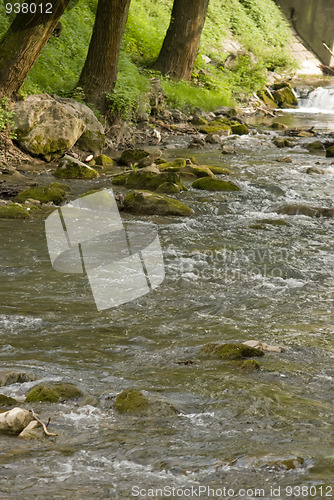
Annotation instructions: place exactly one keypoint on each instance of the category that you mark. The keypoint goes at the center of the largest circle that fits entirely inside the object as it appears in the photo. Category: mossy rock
(6, 401)
(160, 161)
(315, 146)
(214, 184)
(230, 351)
(148, 180)
(147, 203)
(284, 97)
(70, 168)
(168, 188)
(199, 120)
(52, 393)
(250, 365)
(220, 170)
(279, 126)
(55, 193)
(172, 166)
(239, 128)
(133, 402)
(266, 97)
(280, 142)
(216, 127)
(132, 156)
(14, 211)
(104, 161)
(330, 152)
(120, 180)
(199, 170)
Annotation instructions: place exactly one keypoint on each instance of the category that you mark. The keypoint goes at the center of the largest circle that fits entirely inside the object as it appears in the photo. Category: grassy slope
(256, 24)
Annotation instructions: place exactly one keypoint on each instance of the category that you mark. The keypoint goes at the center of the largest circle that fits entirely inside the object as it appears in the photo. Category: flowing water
(235, 271)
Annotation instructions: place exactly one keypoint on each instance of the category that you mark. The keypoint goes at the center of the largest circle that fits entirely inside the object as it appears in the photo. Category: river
(233, 273)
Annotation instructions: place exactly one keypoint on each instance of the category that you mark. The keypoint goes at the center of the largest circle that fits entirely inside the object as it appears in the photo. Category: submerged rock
(250, 365)
(330, 152)
(173, 166)
(6, 401)
(230, 351)
(54, 192)
(14, 211)
(214, 184)
(71, 168)
(279, 126)
(263, 346)
(133, 402)
(220, 170)
(315, 146)
(14, 377)
(302, 209)
(53, 393)
(147, 203)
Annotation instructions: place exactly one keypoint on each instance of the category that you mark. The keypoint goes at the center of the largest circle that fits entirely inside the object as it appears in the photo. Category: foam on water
(320, 100)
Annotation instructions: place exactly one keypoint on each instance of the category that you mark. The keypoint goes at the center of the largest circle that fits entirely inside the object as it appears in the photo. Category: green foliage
(256, 25)
(186, 95)
(58, 68)
(6, 118)
(146, 28)
(130, 90)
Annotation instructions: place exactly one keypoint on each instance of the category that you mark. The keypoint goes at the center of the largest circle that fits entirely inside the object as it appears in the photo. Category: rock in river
(147, 203)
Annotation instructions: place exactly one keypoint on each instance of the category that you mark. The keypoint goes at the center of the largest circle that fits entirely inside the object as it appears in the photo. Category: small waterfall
(319, 100)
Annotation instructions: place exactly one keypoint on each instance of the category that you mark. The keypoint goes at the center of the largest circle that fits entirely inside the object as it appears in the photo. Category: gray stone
(49, 126)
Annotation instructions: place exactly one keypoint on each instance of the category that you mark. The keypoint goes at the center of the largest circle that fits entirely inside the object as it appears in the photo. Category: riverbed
(235, 271)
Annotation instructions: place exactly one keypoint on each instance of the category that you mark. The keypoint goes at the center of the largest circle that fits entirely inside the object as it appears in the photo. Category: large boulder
(49, 126)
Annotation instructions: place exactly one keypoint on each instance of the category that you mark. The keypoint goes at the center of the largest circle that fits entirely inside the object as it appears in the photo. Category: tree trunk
(99, 73)
(180, 47)
(22, 44)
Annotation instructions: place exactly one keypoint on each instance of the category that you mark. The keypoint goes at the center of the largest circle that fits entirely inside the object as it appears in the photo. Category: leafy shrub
(130, 89)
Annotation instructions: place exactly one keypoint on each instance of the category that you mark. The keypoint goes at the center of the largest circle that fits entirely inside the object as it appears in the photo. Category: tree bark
(22, 44)
(99, 73)
(180, 47)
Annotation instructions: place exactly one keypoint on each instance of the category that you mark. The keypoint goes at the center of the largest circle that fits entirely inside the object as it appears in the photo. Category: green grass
(256, 25)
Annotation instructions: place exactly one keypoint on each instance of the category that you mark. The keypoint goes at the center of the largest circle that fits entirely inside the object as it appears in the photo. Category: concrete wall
(314, 22)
